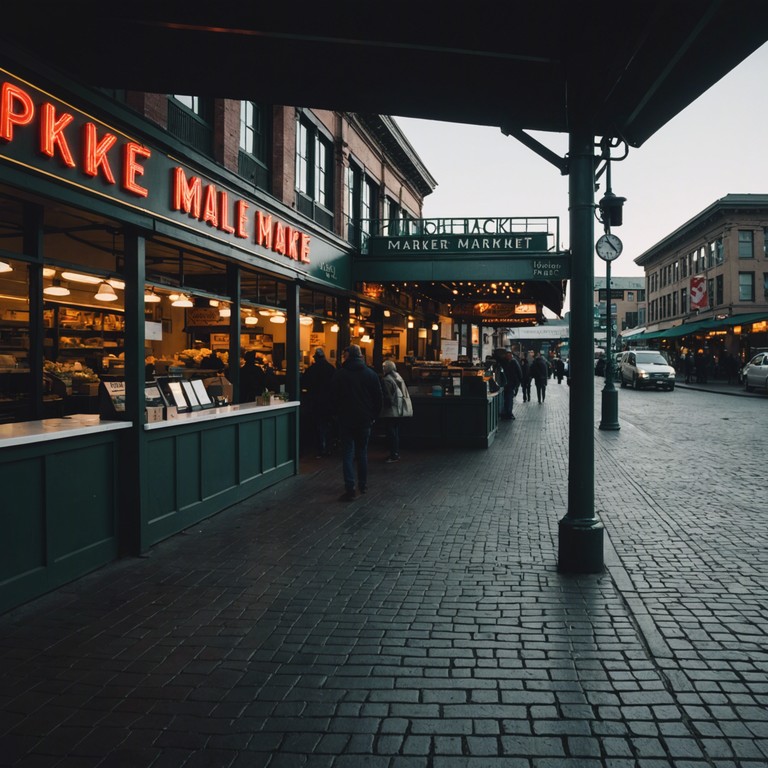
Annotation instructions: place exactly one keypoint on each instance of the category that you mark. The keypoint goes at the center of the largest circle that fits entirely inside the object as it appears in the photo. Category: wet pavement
(425, 625)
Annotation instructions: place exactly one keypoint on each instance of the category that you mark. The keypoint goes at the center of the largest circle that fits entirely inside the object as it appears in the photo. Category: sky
(718, 145)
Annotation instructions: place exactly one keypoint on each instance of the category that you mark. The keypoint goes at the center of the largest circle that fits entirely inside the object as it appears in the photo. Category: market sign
(495, 312)
(59, 142)
(475, 244)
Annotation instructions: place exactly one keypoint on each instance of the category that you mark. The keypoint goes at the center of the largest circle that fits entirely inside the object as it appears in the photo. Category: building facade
(147, 242)
(626, 302)
(707, 282)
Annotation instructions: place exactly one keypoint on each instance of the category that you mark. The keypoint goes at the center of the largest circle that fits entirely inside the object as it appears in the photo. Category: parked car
(642, 368)
(755, 373)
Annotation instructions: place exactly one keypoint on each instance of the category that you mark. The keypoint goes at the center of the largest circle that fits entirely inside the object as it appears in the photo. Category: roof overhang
(620, 70)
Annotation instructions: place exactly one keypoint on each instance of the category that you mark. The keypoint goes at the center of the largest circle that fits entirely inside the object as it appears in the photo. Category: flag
(699, 298)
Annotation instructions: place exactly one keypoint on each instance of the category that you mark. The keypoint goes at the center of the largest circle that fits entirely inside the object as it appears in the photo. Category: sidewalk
(423, 625)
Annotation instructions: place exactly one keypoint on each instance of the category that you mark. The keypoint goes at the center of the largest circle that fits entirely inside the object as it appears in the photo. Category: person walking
(540, 374)
(357, 399)
(317, 382)
(397, 405)
(513, 374)
(525, 378)
(559, 370)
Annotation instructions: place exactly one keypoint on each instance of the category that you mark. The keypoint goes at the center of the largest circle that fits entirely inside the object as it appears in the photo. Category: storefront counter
(61, 481)
(452, 421)
(199, 463)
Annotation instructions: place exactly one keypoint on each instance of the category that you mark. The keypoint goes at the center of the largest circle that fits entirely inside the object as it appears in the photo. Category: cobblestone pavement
(424, 625)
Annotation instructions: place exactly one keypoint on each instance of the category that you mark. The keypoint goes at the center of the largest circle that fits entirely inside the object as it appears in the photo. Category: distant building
(707, 282)
(626, 302)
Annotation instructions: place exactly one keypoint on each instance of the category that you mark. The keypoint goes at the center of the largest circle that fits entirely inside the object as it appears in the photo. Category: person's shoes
(363, 489)
(347, 496)
(511, 415)
(392, 459)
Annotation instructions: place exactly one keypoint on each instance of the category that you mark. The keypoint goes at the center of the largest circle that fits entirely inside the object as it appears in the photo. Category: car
(755, 373)
(641, 368)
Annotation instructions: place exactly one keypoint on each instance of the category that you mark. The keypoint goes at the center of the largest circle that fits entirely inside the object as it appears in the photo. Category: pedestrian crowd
(344, 403)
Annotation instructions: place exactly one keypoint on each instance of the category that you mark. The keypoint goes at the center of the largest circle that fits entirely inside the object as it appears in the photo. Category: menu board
(116, 392)
(202, 393)
(177, 396)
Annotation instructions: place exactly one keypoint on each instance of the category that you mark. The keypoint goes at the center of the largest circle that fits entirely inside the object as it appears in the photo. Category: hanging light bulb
(213, 302)
(410, 323)
(265, 312)
(77, 277)
(435, 326)
(48, 271)
(278, 319)
(182, 301)
(251, 320)
(225, 311)
(56, 289)
(387, 313)
(334, 328)
(105, 293)
(150, 297)
(5, 267)
(304, 320)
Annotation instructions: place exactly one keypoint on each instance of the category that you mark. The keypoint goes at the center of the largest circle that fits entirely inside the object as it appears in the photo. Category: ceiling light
(265, 312)
(106, 293)
(48, 271)
(213, 302)
(225, 312)
(366, 339)
(150, 297)
(56, 289)
(277, 319)
(304, 320)
(387, 313)
(182, 301)
(334, 328)
(435, 327)
(5, 267)
(77, 277)
(173, 297)
(410, 323)
(251, 320)
(117, 284)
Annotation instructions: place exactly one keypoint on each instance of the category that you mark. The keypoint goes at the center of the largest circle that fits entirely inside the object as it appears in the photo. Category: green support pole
(293, 343)
(580, 546)
(610, 397)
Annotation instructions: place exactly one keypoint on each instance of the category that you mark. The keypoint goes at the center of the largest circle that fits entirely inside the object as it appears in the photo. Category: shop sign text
(64, 143)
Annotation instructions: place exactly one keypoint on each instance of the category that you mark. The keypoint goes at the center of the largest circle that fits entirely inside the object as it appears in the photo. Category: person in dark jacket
(514, 376)
(317, 381)
(540, 374)
(559, 370)
(253, 380)
(357, 400)
(525, 381)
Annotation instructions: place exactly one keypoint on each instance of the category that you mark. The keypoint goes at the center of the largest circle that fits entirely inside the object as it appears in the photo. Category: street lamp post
(608, 248)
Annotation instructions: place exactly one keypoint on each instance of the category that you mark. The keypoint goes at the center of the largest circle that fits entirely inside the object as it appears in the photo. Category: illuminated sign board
(465, 244)
(56, 140)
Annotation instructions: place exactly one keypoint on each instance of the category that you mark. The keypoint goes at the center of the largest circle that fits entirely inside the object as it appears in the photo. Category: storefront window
(15, 389)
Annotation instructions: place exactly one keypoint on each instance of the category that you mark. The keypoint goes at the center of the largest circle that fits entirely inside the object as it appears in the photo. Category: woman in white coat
(397, 405)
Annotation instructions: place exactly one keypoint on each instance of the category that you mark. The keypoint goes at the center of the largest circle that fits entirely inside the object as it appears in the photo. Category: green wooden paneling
(250, 449)
(161, 478)
(82, 513)
(219, 465)
(22, 545)
(189, 461)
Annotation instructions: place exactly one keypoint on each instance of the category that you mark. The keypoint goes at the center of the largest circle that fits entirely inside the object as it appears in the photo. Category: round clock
(608, 247)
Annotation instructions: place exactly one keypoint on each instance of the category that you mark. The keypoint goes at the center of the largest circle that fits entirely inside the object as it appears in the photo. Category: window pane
(746, 286)
(321, 170)
(246, 126)
(15, 386)
(302, 158)
(745, 244)
(190, 102)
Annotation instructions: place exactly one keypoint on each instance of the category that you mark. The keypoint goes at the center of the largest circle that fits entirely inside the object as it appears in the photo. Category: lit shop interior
(187, 305)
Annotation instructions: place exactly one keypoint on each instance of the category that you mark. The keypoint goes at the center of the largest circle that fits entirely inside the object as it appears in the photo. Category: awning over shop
(712, 324)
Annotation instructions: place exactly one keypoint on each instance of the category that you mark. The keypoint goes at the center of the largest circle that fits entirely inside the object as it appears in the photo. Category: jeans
(354, 447)
(392, 426)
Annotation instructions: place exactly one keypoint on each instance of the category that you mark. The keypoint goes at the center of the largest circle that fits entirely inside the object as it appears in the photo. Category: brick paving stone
(427, 626)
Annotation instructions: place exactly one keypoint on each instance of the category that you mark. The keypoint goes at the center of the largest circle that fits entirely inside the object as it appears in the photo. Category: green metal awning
(712, 324)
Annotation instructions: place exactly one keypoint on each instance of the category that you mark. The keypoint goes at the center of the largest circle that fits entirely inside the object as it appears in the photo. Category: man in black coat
(514, 376)
(317, 381)
(357, 401)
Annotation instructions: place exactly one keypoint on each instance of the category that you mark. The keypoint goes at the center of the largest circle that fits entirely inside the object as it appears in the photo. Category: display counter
(79, 491)
(61, 481)
(452, 421)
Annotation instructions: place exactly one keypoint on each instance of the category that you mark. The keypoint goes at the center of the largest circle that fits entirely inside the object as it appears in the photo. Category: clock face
(608, 247)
